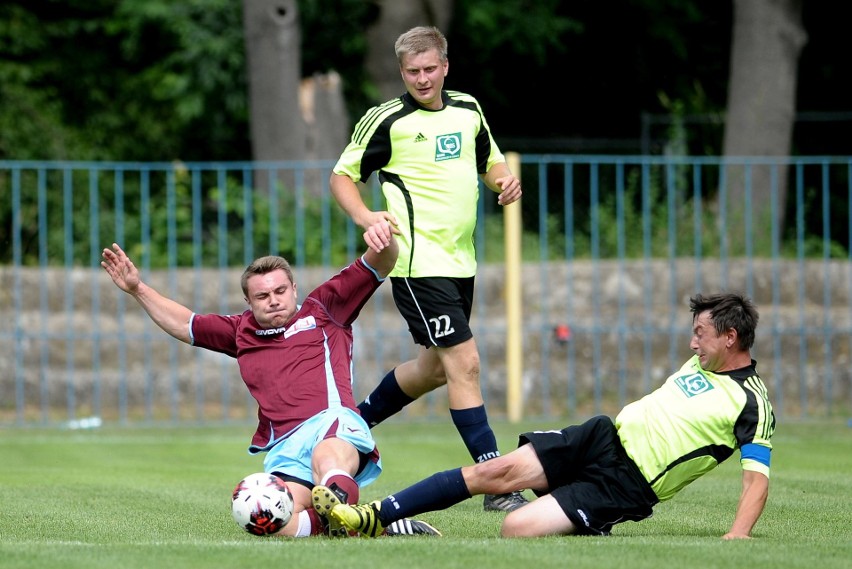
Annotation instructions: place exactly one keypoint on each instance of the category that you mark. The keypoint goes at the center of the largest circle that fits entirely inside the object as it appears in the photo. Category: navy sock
(476, 433)
(439, 491)
(386, 400)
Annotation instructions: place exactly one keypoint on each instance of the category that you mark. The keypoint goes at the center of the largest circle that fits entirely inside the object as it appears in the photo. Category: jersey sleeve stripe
(765, 418)
(374, 116)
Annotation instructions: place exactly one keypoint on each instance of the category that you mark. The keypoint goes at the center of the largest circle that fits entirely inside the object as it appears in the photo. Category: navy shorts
(437, 309)
(591, 477)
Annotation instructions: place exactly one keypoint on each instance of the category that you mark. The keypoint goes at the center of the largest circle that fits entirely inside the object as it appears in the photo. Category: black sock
(476, 433)
(386, 400)
(439, 491)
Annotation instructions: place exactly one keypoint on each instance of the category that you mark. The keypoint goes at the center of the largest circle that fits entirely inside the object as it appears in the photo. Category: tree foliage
(133, 80)
(164, 79)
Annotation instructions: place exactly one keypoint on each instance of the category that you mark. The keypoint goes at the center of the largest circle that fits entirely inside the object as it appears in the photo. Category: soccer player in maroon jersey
(296, 360)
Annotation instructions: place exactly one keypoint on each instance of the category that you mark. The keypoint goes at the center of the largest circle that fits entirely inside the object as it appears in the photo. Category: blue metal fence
(613, 247)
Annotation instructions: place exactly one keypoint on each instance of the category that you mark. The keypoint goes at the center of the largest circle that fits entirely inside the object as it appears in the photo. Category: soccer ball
(262, 503)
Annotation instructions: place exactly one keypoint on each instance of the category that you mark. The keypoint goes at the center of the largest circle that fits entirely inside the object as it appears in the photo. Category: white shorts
(292, 456)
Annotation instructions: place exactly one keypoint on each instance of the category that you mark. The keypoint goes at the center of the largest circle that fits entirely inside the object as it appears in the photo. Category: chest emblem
(694, 384)
(448, 147)
(300, 325)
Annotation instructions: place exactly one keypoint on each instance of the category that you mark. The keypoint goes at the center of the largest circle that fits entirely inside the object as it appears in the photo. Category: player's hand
(121, 269)
(510, 189)
(374, 217)
(379, 235)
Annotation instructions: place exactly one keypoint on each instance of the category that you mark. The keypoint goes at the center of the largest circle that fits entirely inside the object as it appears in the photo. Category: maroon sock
(318, 526)
(343, 485)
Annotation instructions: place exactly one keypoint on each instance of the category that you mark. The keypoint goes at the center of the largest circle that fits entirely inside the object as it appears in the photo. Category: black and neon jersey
(428, 163)
(694, 422)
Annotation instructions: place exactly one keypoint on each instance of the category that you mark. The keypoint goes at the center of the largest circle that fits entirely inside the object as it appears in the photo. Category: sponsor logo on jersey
(268, 331)
(300, 325)
(448, 147)
(694, 384)
(420, 137)
(306, 323)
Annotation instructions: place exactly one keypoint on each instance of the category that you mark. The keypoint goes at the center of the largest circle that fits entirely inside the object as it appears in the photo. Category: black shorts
(591, 477)
(437, 309)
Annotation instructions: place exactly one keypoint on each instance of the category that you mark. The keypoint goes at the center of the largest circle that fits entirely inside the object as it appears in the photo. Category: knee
(518, 524)
(421, 375)
(435, 373)
(432, 376)
(541, 517)
(463, 362)
(511, 526)
(429, 367)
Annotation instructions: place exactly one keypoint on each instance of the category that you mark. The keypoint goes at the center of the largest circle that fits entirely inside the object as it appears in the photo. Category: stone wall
(71, 340)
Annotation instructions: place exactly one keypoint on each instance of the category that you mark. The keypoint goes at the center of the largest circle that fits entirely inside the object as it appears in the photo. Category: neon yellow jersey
(428, 164)
(694, 422)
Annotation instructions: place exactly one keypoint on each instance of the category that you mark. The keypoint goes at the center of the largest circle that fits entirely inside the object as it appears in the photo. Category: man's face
(711, 348)
(271, 298)
(423, 75)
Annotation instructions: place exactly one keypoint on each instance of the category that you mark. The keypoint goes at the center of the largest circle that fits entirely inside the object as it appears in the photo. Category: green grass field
(160, 498)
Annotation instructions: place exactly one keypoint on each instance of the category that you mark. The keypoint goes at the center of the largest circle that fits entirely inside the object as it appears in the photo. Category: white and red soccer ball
(262, 503)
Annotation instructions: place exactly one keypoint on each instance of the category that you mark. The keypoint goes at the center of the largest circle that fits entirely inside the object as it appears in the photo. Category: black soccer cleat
(406, 526)
(504, 502)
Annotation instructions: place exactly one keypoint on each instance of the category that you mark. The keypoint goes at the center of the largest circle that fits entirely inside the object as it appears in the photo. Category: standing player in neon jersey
(429, 147)
(296, 361)
(592, 476)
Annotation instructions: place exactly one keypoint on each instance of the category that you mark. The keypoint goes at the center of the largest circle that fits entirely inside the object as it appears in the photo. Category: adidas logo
(419, 137)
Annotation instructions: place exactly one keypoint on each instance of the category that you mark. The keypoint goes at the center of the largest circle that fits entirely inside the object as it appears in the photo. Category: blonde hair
(419, 40)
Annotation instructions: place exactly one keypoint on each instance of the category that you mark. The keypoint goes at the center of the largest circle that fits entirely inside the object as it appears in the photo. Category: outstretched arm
(166, 313)
(752, 501)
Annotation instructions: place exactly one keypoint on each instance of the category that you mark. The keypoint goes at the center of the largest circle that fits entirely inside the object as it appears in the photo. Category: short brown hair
(728, 310)
(263, 265)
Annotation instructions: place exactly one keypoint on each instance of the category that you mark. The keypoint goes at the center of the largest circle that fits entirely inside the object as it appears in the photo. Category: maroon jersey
(299, 370)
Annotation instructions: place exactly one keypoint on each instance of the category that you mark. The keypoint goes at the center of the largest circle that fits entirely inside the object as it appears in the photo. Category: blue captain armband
(757, 453)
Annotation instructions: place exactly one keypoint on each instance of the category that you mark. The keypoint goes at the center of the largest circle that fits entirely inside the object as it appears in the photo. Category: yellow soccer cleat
(324, 500)
(363, 518)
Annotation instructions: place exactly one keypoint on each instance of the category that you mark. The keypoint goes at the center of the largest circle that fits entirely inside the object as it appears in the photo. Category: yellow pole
(514, 332)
